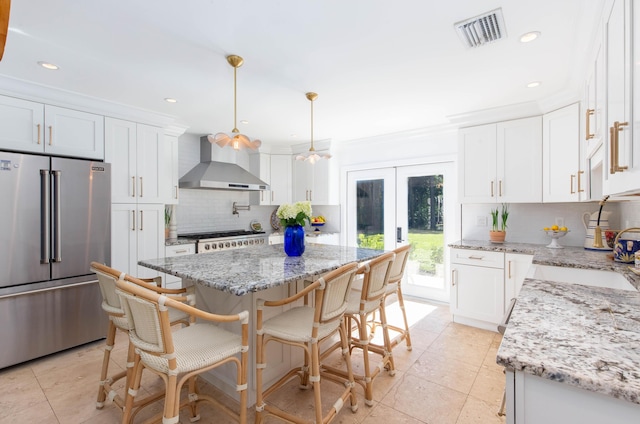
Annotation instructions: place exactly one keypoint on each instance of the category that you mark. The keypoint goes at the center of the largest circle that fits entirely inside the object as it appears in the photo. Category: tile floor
(450, 377)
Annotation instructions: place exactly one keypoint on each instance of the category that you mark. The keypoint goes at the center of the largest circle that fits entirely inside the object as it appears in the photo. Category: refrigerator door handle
(57, 245)
(45, 203)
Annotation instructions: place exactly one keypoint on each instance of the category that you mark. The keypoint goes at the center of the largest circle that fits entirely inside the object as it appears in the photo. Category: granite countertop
(568, 256)
(587, 337)
(178, 241)
(584, 336)
(255, 268)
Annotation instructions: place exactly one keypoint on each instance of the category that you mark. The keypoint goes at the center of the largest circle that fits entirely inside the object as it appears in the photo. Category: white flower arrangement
(292, 214)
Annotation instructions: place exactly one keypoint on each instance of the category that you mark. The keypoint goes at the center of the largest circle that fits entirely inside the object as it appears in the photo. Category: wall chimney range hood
(218, 170)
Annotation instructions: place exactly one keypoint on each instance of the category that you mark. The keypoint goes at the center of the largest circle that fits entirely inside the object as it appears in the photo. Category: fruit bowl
(317, 224)
(555, 235)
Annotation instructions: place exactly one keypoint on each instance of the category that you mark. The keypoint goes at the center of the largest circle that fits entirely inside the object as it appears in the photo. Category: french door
(390, 207)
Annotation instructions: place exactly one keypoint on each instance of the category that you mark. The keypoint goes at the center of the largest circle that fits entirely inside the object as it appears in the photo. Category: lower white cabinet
(137, 233)
(329, 238)
(483, 283)
(171, 281)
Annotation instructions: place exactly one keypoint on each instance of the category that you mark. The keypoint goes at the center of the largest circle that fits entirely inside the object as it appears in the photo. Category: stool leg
(407, 336)
(110, 342)
(388, 354)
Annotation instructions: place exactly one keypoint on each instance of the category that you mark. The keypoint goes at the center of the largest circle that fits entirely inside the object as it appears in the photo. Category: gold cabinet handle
(617, 128)
(500, 188)
(141, 187)
(491, 188)
(272, 195)
(479, 258)
(580, 190)
(453, 282)
(612, 163)
(141, 220)
(50, 135)
(571, 184)
(311, 195)
(590, 112)
(509, 270)
(133, 186)
(176, 191)
(39, 134)
(133, 220)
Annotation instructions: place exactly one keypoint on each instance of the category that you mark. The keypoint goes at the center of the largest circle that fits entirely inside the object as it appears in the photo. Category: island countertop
(256, 268)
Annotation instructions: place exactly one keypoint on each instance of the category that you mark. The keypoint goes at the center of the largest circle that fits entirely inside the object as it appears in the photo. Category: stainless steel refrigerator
(54, 220)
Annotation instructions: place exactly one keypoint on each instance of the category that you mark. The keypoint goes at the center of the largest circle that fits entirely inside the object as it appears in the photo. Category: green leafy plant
(499, 218)
(167, 217)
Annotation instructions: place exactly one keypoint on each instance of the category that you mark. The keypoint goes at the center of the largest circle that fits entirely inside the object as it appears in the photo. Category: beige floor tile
(383, 414)
(19, 391)
(476, 411)
(433, 367)
(424, 400)
(490, 359)
(489, 386)
(40, 412)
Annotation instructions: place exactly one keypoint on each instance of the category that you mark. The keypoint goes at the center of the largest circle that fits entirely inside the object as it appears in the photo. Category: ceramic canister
(590, 222)
(626, 247)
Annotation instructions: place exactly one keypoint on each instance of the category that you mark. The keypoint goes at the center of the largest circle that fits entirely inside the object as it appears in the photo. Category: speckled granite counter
(587, 337)
(178, 241)
(570, 257)
(252, 269)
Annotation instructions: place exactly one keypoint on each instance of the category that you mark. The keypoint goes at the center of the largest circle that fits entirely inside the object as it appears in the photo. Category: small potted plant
(167, 220)
(499, 219)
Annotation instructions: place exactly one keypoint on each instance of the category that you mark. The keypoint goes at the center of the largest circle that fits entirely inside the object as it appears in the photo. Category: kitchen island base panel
(281, 358)
(536, 400)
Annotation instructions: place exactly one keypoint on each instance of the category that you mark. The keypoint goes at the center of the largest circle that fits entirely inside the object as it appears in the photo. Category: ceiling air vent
(483, 29)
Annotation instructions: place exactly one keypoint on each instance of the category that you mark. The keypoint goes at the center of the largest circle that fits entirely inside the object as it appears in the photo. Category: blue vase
(294, 240)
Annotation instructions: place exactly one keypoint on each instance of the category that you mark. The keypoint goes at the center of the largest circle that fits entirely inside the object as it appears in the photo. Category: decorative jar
(294, 240)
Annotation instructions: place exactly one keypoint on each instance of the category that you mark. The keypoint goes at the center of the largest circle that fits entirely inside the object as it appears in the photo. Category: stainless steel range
(225, 240)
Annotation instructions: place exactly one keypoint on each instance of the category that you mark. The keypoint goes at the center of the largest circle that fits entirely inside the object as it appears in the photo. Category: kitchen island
(230, 281)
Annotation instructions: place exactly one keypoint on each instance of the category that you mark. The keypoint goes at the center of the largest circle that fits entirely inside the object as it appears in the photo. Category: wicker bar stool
(363, 302)
(179, 357)
(107, 278)
(394, 288)
(307, 327)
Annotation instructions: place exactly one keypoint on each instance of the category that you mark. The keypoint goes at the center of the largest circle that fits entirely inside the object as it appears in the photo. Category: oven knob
(233, 244)
(246, 242)
(206, 246)
(221, 245)
(250, 241)
(227, 244)
(213, 246)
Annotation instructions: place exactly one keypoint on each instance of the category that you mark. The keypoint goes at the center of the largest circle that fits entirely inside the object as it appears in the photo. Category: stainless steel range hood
(218, 170)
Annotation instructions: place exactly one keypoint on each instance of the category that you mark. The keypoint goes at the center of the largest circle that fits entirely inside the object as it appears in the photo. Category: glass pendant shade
(312, 156)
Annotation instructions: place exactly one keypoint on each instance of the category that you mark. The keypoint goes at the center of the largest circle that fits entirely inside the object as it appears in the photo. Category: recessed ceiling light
(170, 100)
(48, 65)
(244, 121)
(529, 36)
(534, 84)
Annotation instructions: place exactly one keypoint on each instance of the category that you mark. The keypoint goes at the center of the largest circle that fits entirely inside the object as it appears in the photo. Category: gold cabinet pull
(272, 196)
(617, 128)
(141, 220)
(50, 135)
(479, 258)
(580, 190)
(311, 195)
(133, 186)
(453, 282)
(612, 164)
(38, 133)
(500, 188)
(509, 270)
(133, 220)
(491, 188)
(571, 184)
(176, 191)
(590, 112)
(141, 187)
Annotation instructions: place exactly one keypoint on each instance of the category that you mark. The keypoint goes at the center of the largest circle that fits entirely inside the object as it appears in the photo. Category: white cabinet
(34, 127)
(171, 281)
(477, 287)
(170, 164)
(137, 233)
(516, 268)
(623, 94)
(275, 170)
(501, 162)
(594, 105)
(322, 238)
(311, 181)
(562, 178)
(136, 153)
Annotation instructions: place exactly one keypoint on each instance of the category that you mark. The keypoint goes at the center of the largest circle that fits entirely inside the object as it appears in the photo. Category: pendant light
(236, 140)
(311, 156)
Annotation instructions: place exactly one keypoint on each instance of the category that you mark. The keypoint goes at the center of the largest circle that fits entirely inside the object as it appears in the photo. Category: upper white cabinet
(311, 181)
(275, 170)
(34, 127)
(562, 178)
(594, 104)
(501, 162)
(170, 165)
(623, 94)
(136, 153)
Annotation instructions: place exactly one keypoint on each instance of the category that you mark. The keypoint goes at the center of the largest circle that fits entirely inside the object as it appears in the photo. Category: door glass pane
(370, 213)
(425, 230)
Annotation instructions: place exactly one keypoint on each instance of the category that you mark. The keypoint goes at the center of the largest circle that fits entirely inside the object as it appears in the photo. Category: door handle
(50, 135)
(45, 204)
(453, 281)
(133, 220)
(590, 112)
(399, 235)
(133, 186)
(38, 133)
(57, 218)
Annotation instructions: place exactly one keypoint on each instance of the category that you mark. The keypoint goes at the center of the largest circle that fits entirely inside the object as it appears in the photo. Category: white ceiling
(379, 67)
